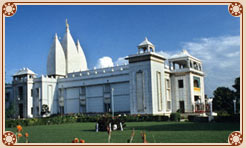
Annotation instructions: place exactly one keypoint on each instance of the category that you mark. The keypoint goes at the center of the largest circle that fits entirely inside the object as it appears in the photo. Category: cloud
(121, 61)
(108, 62)
(165, 54)
(220, 57)
(104, 62)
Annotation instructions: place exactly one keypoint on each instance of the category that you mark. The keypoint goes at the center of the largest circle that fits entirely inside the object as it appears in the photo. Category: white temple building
(143, 86)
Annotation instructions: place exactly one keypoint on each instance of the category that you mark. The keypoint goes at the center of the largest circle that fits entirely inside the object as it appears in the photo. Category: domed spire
(71, 52)
(56, 64)
(82, 58)
(145, 42)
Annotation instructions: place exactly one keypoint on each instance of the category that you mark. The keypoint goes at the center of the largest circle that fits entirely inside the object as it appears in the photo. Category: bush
(140, 118)
(201, 119)
(191, 118)
(227, 118)
(72, 118)
(175, 117)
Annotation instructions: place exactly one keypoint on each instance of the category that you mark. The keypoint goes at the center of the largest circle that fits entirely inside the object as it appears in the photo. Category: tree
(10, 111)
(236, 86)
(223, 100)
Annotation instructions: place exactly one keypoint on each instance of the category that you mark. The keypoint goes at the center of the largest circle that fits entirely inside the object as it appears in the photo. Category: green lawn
(157, 132)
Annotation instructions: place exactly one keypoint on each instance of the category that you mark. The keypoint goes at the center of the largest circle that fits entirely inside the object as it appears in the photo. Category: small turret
(146, 46)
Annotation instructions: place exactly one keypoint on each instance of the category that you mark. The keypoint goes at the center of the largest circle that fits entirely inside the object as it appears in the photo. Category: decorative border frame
(234, 8)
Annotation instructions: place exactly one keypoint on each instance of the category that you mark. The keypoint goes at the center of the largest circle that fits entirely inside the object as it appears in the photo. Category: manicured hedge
(219, 118)
(201, 119)
(140, 118)
(191, 118)
(228, 118)
(72, 118)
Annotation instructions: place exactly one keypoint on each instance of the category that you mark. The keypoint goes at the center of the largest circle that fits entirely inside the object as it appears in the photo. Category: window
(60, 92)
(196, 82)
(37, 109)
(167, 84)
(168, 95)
(31, 92)
(168, 89)
(107, 107)
(82, 91)
(20, 93)
(107, 88)
(32, 110)
(37, 92)
(181, 83)
(168, 105)
(62, 110)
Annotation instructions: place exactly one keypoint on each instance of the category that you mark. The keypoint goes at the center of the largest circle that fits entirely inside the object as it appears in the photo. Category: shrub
(191, 118)
(175, 117)
(140, 118)
(72, 118)
(227, 118)
(200, 119)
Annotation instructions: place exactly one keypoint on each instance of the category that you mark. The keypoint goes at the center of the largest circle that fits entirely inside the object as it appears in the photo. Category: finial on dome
(67, 25)
(146, 39)
(185, 51)
(56, 37)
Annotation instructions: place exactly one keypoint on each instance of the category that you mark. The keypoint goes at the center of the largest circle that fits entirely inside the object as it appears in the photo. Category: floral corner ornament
(236, 9)
(9, 9)
(9, 138)
(235, 138)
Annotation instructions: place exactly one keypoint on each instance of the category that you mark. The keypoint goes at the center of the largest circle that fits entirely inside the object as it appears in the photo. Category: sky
(109, 33)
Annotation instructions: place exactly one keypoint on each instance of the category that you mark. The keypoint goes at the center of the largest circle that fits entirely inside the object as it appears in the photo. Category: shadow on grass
(87, 130)
(177, 126)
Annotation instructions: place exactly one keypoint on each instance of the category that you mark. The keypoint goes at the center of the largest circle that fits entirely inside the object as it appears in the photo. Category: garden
(135, 129)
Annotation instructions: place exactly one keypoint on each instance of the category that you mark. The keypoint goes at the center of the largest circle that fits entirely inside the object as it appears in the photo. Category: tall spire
(71, 52)
(56, 64)
(82, 59)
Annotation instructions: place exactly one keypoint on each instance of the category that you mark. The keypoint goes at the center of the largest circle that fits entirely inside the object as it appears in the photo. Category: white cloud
(121, 61)
(104, 62)
(220, 57)
(165, 54)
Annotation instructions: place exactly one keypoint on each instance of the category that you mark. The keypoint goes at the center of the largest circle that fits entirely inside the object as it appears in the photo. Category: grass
(157, 132)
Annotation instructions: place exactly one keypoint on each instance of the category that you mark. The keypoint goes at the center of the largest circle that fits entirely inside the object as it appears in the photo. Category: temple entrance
(181, 106)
